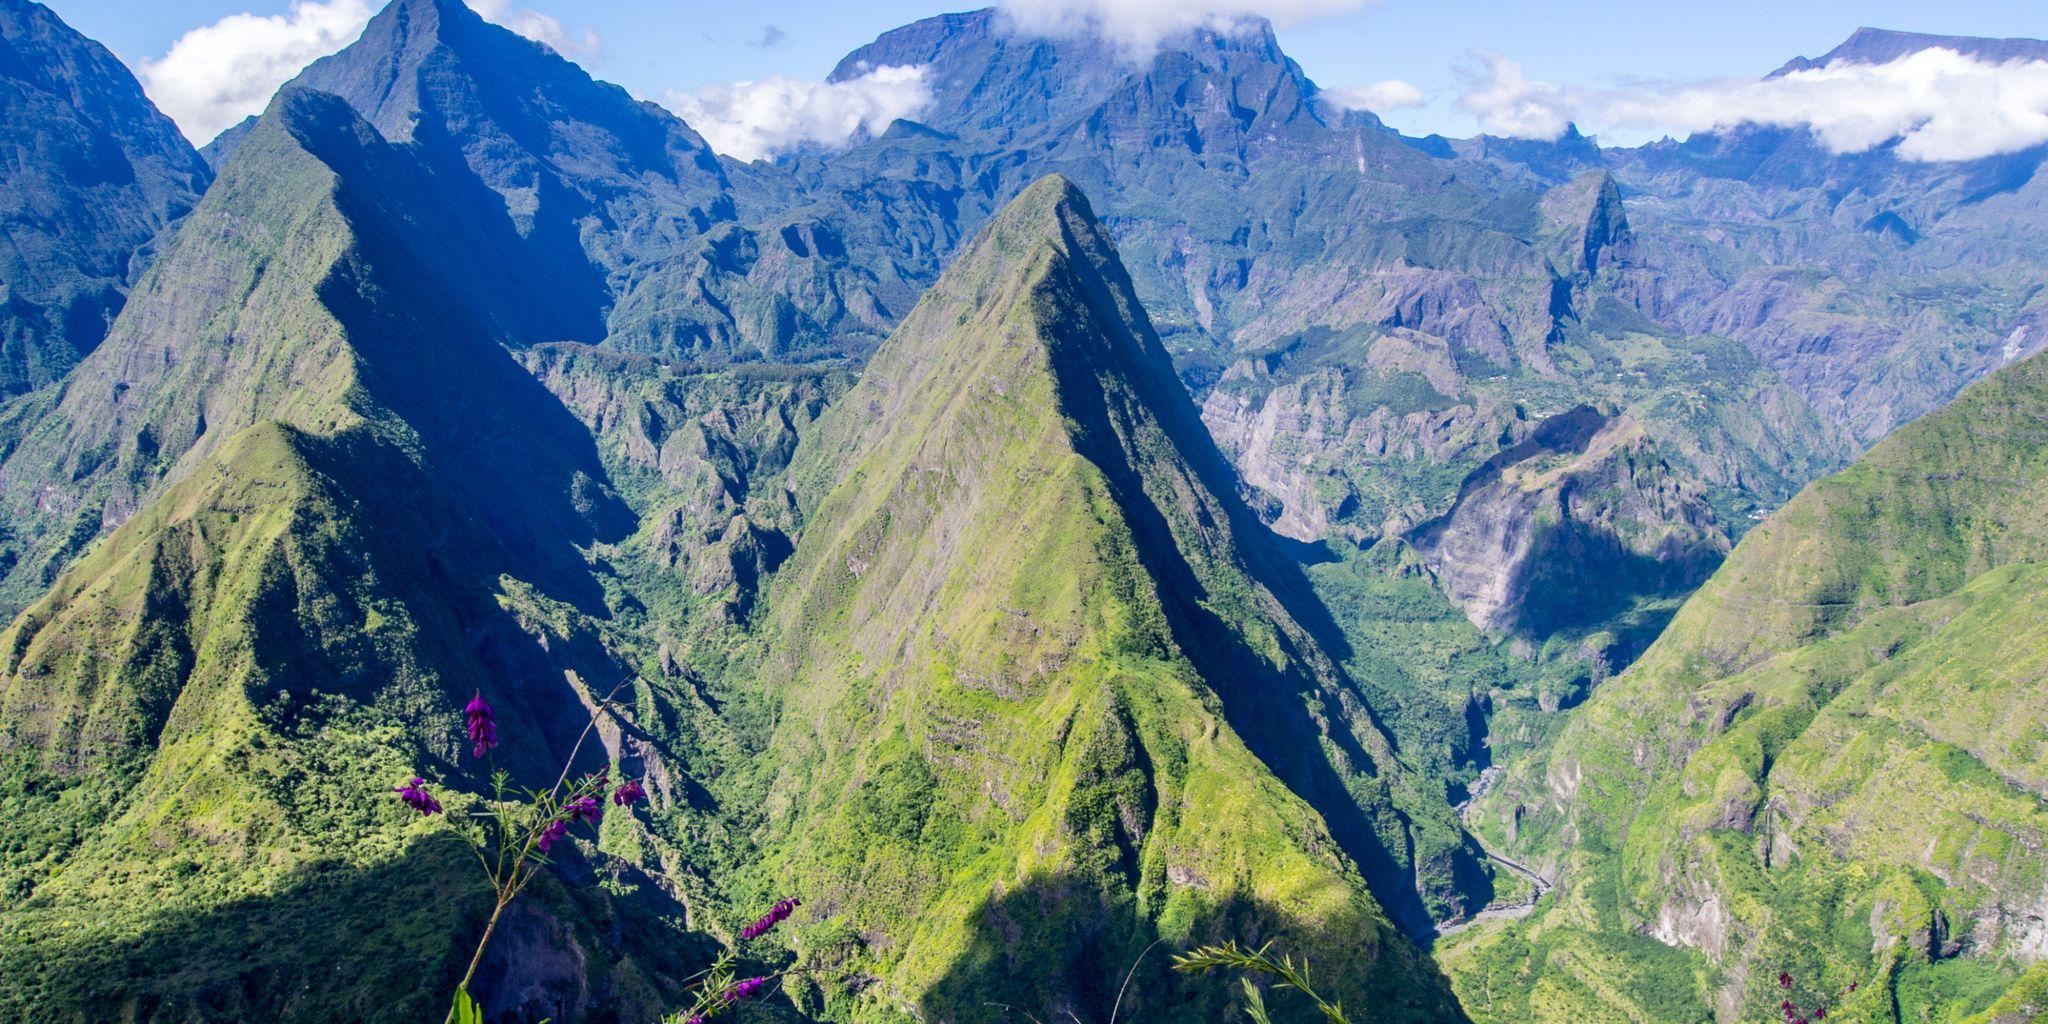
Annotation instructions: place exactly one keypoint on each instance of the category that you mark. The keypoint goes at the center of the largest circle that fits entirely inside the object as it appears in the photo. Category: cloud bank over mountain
(761, 119)
(1392, 94)
(539, 27)
(1936, 105)
(1138, 26)
(218, 74)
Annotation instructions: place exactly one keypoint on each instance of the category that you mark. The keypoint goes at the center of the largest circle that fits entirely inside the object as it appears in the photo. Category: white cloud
(539, 27)
(1379, 97)
(1937, 104)
(1506, 102)
(1138, 26)
(218, 74)
(756, 120)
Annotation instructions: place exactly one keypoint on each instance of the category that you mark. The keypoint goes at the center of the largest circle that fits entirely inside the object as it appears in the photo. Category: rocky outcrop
(1576, 522)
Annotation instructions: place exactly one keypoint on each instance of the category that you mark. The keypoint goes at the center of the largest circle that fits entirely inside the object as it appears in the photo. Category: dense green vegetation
(471, 373)
(993, 675)
(1830, 761)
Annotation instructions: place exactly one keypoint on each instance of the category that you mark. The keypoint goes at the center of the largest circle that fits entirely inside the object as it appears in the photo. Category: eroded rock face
(1342, 448)
(1582, 517)
(701, 446)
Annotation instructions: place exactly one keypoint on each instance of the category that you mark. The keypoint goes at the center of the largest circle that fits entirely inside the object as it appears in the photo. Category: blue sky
(654, 46)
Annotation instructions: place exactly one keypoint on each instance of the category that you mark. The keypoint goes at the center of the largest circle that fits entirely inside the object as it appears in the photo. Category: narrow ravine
(1497, 912)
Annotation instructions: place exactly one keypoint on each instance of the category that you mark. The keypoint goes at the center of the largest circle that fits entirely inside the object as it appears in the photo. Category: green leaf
(466, 1009)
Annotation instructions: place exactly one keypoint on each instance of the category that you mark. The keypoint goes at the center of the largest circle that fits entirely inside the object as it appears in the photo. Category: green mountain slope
(203, 716)
(1831, 762)
(1041, 691)
(90, 173)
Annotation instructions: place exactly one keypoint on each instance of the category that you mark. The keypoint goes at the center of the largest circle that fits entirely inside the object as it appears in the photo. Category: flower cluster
(1791, 1010)
(743, 990)
(417, 798)
(776, 915)
(550, 834)
(483, 725)
(587, 807)
(727, 996)
(514, 832)
(584, 809)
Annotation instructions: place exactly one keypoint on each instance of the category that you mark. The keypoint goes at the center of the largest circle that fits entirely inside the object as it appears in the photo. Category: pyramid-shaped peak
(1049, 209)
(1047, 242)
(406, 30)
(1039, 295)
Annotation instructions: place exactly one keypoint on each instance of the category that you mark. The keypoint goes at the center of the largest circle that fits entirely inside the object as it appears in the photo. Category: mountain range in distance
(1131, 505)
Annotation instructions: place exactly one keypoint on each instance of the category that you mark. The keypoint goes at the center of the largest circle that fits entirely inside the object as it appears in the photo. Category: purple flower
(743, 989)
(483, 725)
(1784, 980)
(629, 792)
(773, 917)
(584, 809)
(416, 798)
(551, 835)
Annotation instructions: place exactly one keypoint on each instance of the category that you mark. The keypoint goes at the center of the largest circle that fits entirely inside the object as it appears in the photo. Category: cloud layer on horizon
(761, 119)
(1937, 104)
(215, 75)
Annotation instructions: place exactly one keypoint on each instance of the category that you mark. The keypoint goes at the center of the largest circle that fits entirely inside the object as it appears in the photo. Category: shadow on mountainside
(374, 943)
(1291, 717)
(1060, 948)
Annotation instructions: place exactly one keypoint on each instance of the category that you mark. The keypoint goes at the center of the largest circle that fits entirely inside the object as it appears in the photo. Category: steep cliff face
(1828, 763)
(90, 173)
(699, 454)
(1356, 451)
(1571, 526)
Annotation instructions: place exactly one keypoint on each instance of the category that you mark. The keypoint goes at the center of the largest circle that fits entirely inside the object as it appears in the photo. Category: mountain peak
(1882, 46)
(1045, 211)
(92, 171)
(986, 72)
(1016, 520)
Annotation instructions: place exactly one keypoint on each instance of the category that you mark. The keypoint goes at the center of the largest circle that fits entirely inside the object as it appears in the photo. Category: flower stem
(490, 926)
